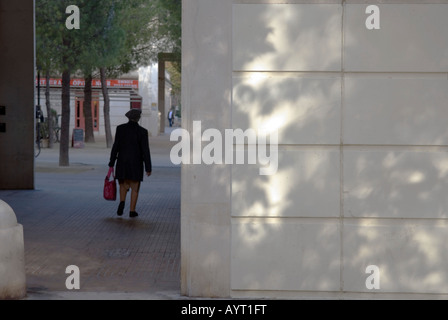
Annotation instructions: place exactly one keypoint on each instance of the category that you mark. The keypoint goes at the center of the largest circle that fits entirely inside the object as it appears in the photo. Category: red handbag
(110, 186)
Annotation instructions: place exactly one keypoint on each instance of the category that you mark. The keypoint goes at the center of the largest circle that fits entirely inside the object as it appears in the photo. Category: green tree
(49, 46)
(115, 36)
(139, 21)
(68, 50)
(102, 40)
(57, 50)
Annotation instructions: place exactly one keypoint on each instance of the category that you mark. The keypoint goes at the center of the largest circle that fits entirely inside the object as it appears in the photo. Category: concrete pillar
(163, 58)
(206, 97)
(162, 94)
(17, 99)
(12, 255)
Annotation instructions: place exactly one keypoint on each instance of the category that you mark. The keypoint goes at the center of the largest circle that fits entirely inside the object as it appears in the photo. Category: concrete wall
(17, 94)
(362, 118)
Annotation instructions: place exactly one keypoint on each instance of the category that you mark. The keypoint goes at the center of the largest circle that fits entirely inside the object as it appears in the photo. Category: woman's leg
(135, 186)
(134, 199)
(124, 187)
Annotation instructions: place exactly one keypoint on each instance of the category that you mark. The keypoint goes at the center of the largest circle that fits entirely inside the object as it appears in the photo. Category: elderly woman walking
(130, 151)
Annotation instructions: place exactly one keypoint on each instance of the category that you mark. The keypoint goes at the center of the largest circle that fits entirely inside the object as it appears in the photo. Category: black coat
(131, 151)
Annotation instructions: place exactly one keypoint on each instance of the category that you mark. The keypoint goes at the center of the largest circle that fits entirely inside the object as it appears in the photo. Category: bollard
(12, 255)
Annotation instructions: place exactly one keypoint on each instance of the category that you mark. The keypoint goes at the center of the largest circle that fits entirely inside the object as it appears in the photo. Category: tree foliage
(116, 34)
(115, 37)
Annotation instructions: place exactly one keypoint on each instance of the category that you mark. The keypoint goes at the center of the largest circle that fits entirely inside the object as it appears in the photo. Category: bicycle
(38, 142)
(56, 134)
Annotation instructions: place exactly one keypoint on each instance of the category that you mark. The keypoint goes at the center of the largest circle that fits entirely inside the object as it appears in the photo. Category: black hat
(134, 114)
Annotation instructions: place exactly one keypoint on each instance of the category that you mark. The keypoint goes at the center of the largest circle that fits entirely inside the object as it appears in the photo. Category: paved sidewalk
(67, 222)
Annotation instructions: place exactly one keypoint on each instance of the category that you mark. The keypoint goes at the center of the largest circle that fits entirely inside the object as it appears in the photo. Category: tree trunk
(87, 108)
(49, 113)
(65, 120)
(109, 140)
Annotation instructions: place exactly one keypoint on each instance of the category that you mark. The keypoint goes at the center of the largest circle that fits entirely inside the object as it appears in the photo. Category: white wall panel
(285, 255)
(279, 37)
(307, 184)
(396, 183)
(411, 38)
(203, 189)
(396, 110)
(304, 109)
(410, 255)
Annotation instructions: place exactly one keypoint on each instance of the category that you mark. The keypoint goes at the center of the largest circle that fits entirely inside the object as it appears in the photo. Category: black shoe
(133, 214)
(120, 209)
